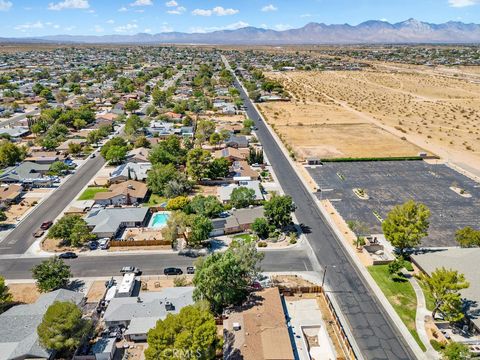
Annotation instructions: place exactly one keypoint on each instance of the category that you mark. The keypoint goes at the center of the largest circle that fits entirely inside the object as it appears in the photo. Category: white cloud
(142, 3)
(177, 11)
(5, 5)
(463, 3)
(217, 10)
(28, 26)
(234, 26)
(122, 9)
(282, 27)
(306, 15)
(171, 3)
(111, 21)
(98, 29)
(69, 4)
(69, 28)
(269, 8)
(126, 28)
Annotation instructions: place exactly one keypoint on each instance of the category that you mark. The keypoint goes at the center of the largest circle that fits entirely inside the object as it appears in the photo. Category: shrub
(437, 345)
(262, 244)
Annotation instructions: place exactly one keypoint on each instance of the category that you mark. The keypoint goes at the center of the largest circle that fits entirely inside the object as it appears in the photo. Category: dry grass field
(368, 113)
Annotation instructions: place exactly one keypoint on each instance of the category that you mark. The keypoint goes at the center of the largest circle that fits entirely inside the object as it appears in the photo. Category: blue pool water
(159, 220)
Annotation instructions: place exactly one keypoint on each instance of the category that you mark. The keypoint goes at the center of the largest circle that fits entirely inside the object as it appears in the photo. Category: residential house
(108, 223)
(260, 331)
(10, 194)
(124, 193)
(232, 154)
(130, 171)
(225, 192)
(45, 157)
(140, 314)
(15, 132)
(138, 155)
(26, 172)
(238, 220)
(237, 141)
(243, 171)
(18, 326)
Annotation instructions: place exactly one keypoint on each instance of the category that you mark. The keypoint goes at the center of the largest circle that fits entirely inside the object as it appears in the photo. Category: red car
(46, 225)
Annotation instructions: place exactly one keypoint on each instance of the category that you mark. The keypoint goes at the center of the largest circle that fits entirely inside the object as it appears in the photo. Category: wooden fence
(128, 243)
(345, 342)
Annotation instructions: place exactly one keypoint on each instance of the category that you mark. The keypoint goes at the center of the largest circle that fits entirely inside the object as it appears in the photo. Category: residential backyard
(90, 192)
(401, 296)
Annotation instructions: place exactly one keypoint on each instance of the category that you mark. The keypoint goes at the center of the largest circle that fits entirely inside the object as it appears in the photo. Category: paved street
(15, 119)
(370, 325)
(20, 239)
(151, 264)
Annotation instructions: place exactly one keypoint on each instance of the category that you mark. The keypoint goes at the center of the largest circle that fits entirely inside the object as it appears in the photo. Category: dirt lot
(366, 113)
(96, 292)
(24, 293)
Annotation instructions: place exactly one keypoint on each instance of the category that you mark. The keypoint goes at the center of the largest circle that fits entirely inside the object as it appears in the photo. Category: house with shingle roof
(18, 326)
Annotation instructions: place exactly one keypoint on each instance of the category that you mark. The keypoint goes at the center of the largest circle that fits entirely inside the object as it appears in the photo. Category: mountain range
(369, 32)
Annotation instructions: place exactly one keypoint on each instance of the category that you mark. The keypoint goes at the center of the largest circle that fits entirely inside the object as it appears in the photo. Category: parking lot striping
(389, 183)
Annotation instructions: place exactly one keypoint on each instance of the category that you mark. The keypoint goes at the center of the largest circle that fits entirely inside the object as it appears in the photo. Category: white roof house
(225, 192)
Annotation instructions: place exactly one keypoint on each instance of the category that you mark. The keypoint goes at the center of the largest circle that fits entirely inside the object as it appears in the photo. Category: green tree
(205, 128)
(168, 151)
(10, 154)
(72, 230)
(406, 225)
(51, 274)
(74, 148)
(116, 154)
(79, 124)
(278, 210)
(242, 197)
(178, 203)
(215, 139)
(395, 266)
(190, 334)
(261, 227)
(200, 229)
(359, 229)
(133, 125)
(5, 297)
(468, 237)
(445, 285)
(456, 351)
(63, 327)
(198, 161)
(218, 168)
(223, 278)
(176, 224)
(132, 105)
(208, 206)
(179, 186)
(159, 176)
(141, 142)
(3, 216)
(116, 141)
(94, 137)
(58, 168)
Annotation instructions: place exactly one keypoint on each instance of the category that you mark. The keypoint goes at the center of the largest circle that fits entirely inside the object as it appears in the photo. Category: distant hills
(369, 32)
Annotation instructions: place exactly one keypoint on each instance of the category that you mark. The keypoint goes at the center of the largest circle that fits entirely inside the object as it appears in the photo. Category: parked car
(104, 243)
(92, 156)
(130, 269)
(38, 233)
(93, 245)
(190, 270)
(46, 225)
(172, 271)
(68, 255)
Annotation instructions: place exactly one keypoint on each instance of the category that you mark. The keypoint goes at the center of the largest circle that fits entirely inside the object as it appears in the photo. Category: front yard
(401, 296)
(90, 192)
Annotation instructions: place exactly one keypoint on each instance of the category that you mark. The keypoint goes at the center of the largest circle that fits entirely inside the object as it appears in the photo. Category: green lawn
(90, 192)
(430, 302)
(244, 237)
(401, 295)
(155, 200)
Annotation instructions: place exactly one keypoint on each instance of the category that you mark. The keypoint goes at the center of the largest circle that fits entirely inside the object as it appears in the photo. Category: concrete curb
(363, 271)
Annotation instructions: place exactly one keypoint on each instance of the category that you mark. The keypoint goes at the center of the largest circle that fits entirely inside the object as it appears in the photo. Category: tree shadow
(76, 285)
(230, 352)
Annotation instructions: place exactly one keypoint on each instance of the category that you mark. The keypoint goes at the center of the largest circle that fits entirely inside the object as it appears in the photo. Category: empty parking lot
(389, 183)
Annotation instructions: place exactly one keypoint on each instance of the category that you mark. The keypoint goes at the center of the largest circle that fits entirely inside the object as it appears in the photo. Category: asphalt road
(150, 264)
(375, 335)
(15, 119)
(20, 239)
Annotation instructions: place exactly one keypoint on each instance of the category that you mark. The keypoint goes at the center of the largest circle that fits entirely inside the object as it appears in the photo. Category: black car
(172, 271)
(68, 255)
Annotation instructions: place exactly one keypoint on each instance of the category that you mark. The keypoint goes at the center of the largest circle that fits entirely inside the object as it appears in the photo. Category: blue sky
(21, 18)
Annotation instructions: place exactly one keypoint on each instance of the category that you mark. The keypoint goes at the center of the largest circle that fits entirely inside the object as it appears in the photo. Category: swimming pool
(159, 219)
